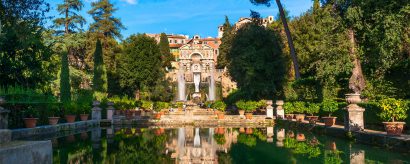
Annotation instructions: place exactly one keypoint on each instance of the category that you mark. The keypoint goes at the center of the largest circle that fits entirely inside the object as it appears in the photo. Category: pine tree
(71, 19)
(100, 73)
(287, 31)
(316, 5)
(166, 55)
(65, 93)
(226, 44)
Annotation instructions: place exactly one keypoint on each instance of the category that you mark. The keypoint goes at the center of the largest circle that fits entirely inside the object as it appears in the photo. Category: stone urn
(241, 130)
(300, 137)
(300, 117)
(353, 98)
(280, 112)
(241, 113)
(157, 116)
(394, 128)
(221, 115)
(289, 116)
(329, 121)
(249, 131)
(84, 117)
(312, 119)
(354, 113)
(30, 122)
(70, 118)
(331, 146)
(53, 120)
(249, 116)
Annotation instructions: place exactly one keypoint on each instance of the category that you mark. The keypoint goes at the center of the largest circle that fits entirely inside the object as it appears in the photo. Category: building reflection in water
(196, 145)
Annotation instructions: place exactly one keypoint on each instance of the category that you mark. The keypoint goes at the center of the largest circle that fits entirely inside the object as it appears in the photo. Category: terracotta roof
(175, 45)
(176, 36)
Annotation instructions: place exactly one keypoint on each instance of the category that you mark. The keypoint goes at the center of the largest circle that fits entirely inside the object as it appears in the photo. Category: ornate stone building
(194, 69)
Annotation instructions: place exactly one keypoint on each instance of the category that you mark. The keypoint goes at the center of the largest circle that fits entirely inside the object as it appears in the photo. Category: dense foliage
(256, 62)
(140, 64)
(25, 58)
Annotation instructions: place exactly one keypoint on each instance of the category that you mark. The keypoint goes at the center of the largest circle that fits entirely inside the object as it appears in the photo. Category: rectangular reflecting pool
(214, 145)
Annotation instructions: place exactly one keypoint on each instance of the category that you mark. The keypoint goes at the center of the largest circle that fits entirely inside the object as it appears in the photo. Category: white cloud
(132, 2)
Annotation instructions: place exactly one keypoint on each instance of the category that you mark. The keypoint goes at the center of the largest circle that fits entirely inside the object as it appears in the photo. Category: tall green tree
(25, 58)
(65, 88)
(100, 72)
(322, 43)
(226, 44)
(287, 31)
(256, 62)
(166, 55)
(107, 28)
(140, 64)
(377, 31)
(71, 22)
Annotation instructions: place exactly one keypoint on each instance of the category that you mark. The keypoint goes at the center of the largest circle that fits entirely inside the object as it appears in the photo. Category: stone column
(354, 114)
(357, 155)
(269, 134)
(4, 115)
(110, 111)
(96, 111)
(110, 135)
(269, 109)
(280, 113)
(280, 136)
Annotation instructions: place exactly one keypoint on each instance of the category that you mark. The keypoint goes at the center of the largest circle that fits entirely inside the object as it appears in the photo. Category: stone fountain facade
(196, 65)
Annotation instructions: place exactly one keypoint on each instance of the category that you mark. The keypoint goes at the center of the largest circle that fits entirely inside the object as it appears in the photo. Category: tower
(220, 31)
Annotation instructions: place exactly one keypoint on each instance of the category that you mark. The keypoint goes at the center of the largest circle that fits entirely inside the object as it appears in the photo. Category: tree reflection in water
(217, 145)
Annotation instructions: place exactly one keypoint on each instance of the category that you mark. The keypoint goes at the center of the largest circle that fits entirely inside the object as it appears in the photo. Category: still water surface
(214, 145)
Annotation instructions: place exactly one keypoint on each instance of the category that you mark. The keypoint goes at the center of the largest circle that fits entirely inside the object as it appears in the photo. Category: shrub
(251, 106)
(219, 105)
(220, 139)
(329, 106)
(208, 104)
(180, 104)
(289, 108)
(159, 105)
(299, 107)
(312, 108)
(241, 104)
(262, 104)
(393, 109)
(147, 105)
(70, 108)
(31, 112)
(248, 140)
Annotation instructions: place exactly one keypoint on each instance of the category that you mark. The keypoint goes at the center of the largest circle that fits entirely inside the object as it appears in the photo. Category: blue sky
(188, 17)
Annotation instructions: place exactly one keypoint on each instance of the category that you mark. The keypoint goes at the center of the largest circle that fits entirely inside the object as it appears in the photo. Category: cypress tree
(166, 55)
(65, 79)
(226, 45)
(100, 74)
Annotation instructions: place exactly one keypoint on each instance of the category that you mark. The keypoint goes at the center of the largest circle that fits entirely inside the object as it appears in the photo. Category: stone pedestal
(353, 120)
(110, 110)
(96, 111)
(357, 156)
(96, 138)
(4, 115)
(5, 136)
(269, 109)
(110, 135)
(280, 136)
(280, 113)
